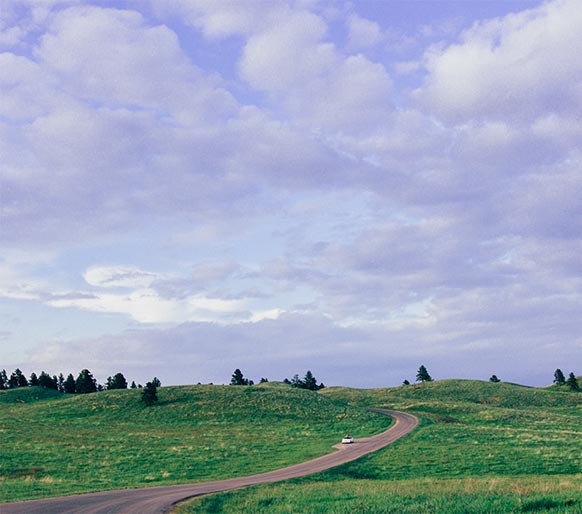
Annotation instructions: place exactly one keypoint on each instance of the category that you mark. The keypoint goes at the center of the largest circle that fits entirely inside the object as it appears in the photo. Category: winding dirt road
(161, 499)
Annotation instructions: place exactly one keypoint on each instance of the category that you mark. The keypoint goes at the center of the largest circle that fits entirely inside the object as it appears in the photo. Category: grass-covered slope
(55, 444)
(480, 447)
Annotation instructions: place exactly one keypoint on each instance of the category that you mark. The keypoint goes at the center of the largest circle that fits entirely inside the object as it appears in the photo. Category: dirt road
(160, 499)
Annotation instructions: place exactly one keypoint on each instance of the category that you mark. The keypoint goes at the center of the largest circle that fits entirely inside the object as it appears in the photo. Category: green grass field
(54, 444)
(480, 448)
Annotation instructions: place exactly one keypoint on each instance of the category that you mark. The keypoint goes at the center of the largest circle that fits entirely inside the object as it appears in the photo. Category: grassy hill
(480, 448)
(54, 444)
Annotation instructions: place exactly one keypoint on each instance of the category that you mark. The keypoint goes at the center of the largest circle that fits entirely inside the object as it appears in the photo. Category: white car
(348, 439)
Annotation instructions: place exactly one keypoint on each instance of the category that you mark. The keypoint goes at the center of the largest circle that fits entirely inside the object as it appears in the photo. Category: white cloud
(114, 57)
(363, 33)
(147, 306)
(226, 18)
(318, 86)
(118, 276)
(161, 298)
(288, 54)
(520, 65)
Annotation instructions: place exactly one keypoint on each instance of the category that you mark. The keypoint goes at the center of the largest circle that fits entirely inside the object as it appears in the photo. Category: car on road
(348, 439)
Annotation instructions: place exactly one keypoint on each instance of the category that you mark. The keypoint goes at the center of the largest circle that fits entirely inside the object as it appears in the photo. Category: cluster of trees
(308, 382)
(571, 381)
(84, 383)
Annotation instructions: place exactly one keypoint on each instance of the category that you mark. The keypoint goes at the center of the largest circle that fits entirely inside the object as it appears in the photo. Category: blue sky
(354, 188)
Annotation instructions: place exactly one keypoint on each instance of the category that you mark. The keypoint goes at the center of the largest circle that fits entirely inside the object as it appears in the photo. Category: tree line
(84, 383)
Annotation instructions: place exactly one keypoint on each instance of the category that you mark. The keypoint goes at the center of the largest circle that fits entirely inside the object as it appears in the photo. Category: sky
(352, 188)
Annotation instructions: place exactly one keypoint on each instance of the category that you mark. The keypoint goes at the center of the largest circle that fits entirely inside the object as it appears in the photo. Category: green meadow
(55, 444)
(480, 448)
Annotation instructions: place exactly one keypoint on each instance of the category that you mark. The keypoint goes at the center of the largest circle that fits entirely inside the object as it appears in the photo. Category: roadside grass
(55, 444)
(480, 447)
(553, 494)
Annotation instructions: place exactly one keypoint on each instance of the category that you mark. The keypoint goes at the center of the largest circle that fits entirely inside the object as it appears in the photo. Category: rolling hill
(480, 448)
(54, 444)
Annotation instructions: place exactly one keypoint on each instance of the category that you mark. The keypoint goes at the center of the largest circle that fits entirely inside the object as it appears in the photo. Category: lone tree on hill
(238, 379)
(149, 394)
(572, 382)
(85, 383)
(559, 377)
(494, 379)
(422, 375)
(406, 382)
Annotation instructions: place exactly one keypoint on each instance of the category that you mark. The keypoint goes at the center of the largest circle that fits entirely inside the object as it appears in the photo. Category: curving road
(161, 499)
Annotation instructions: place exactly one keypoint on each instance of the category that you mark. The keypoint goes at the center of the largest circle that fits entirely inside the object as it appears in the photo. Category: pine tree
(17, 379)
(61, 383)
(33, 380)
(572, 382)
(422, 375)
(239, 379)
(133, 386)
(85, 382)
(296, 381)
(149, 394)
(309, 381)
(559, 377)
(45, 380)
(117, 382)
(70, 385)
(3, 380)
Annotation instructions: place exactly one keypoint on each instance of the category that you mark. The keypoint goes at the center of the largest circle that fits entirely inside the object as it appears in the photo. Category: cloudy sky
(354, 188)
